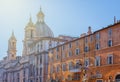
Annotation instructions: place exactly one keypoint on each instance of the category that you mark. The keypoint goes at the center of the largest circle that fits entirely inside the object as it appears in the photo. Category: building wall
(104, 71)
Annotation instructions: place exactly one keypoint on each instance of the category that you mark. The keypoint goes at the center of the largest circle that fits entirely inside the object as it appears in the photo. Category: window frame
(70, 66)
(86, 49)
(69, 53)
(109, 32)
(63, 67)
(98, 36)
(97, 46)
(109, 43)
(97, 61)
(108, 59)
(86, 39)
(99, 80)
(77, 51)
(70, 45)
(87, 62)
(57, 68)
(57, 56)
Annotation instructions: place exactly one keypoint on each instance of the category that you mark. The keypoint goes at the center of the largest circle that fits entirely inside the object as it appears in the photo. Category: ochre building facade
(94, 57)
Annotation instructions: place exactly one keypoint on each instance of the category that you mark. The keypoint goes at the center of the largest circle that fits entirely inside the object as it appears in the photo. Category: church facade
(32, 66)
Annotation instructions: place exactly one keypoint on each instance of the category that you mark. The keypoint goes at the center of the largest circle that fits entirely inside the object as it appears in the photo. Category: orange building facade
(94, 57)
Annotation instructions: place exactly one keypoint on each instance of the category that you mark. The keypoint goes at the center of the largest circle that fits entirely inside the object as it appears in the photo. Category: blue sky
(67, 17)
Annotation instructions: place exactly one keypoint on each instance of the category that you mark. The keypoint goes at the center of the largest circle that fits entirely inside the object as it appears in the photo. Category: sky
(64, 17)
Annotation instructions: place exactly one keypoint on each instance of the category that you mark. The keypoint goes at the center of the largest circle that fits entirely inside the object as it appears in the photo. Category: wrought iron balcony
(75, 69)
(96, 76)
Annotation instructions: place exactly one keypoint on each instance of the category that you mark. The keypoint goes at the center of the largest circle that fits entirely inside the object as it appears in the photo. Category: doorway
(117, 78)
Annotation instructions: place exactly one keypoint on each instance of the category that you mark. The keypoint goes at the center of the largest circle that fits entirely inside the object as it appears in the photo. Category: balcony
(96, 76)
(75, 69)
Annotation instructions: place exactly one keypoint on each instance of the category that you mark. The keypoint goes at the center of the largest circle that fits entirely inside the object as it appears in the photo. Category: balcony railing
(75, 69)
(96, 76)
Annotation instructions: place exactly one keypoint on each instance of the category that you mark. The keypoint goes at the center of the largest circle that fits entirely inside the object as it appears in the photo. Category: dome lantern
(40, 16)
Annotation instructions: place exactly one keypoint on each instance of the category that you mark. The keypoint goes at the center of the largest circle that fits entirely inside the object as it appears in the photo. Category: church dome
(42, 29)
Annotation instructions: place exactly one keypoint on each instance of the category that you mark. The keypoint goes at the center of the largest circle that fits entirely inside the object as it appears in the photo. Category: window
(70, 53)
(86, 49)
(38, 48)
(57, 69)
(23, 79)
(24, 73)
(40, 59)
(50, 44)
(40, 71)
(63, 55)
(99, 81)
(70, 45)
(77, 66)
(36, 79)
(97, 46)
(86, 39)
(77, 51)
(40, 79)
(109, 32)
(57, 57)
(109, 43)
(97, 36)
(37, 71)
(97, 61)
(70, 66)
(91, 38)
(57, 49)
(41, 46)
(63, 47)
(86, 62)
(64, 67)
(110, 59)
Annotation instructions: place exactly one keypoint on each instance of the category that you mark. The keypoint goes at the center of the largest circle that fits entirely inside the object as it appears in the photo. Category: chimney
(89, 31)
(115, 20)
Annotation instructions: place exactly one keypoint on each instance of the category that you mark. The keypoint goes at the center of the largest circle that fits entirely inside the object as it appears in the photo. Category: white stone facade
(32, 66)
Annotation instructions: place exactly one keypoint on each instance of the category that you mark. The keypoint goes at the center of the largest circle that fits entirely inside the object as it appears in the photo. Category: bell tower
(30, 34)
(12, 47)
(30, 30)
